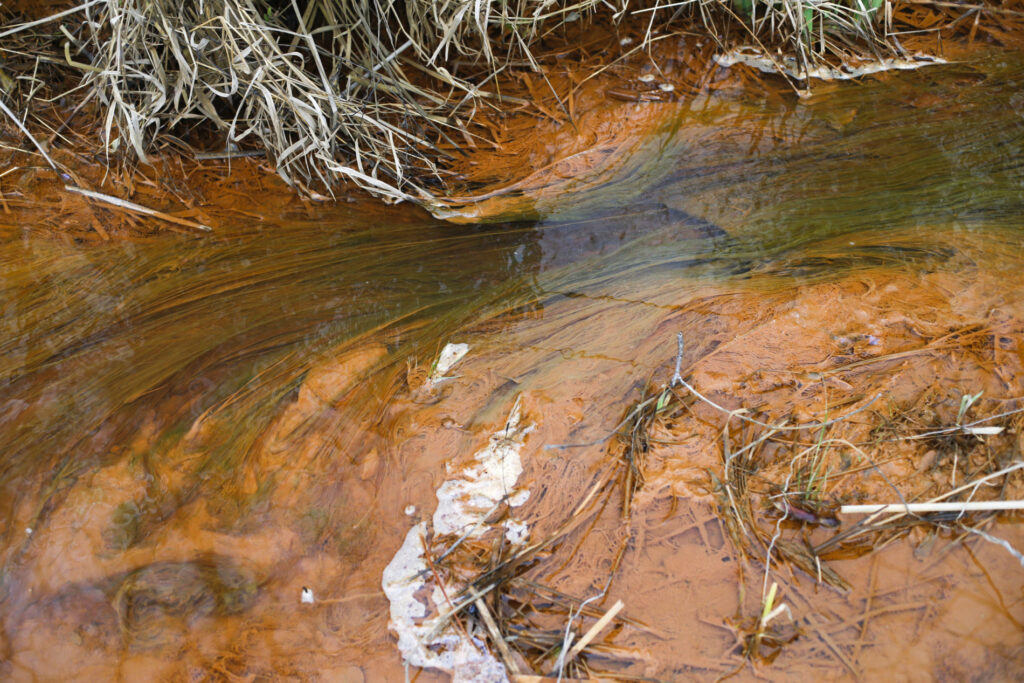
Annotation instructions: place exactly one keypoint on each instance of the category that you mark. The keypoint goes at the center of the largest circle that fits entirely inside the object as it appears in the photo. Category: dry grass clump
(379, 93)
(333, 89)
(324, 91)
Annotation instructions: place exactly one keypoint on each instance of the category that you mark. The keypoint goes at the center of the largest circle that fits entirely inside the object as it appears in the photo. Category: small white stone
(307, 596)
(646, 78)
(666, 87)
(410, 510)
(28, 531)
(626, 41)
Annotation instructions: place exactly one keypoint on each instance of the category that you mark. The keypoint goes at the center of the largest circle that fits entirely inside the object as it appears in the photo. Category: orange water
(193, 430)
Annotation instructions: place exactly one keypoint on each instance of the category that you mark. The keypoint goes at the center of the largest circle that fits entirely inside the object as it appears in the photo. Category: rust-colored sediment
(203, 589)
(148, 568)
(929, 601)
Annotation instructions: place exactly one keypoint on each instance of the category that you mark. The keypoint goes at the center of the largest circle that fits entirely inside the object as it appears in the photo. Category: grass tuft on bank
(382, 94)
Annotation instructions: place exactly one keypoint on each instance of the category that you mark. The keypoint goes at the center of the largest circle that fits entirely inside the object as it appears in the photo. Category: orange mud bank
(127, 574)
(578, 126)
(603, 115)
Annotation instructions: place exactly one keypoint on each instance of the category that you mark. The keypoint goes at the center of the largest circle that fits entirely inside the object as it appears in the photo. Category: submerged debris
(406, 582)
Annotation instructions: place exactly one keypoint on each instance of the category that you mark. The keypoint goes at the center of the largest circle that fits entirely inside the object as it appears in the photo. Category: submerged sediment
(794, 400)
(232, 455)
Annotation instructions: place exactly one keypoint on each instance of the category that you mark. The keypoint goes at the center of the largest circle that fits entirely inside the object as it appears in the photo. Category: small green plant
(966, 401)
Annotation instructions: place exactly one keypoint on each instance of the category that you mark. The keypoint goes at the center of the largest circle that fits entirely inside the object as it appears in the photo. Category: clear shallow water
(181, 486)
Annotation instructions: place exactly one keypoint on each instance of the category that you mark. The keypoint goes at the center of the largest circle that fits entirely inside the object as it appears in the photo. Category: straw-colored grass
(371, 92)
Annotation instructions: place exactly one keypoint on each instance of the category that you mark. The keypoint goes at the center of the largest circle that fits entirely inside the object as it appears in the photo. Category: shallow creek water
(194, 430)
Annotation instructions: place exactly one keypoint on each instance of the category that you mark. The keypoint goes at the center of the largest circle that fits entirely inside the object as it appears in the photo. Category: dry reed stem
(591, 633)
(921, 508)
(136, 208)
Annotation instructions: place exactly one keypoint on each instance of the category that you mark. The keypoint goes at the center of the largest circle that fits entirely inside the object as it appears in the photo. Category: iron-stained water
(194, 429)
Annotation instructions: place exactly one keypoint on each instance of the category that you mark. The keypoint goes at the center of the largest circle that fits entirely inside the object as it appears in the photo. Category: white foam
(405, 582)
(517, 533)
(790, 66)
(464, 501)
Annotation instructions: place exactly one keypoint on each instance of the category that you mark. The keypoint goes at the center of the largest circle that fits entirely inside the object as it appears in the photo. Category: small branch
(594, 630)
(868, 524)
(921, 508)
(797, 428)
(677, 378)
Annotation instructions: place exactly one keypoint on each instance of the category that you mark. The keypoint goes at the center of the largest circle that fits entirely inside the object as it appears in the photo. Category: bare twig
(795, 428)
(594, 630)
(136, 208)
(921, 508)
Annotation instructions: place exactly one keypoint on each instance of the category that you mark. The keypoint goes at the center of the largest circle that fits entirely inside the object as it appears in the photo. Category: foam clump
(791, 67)
(465, 501)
